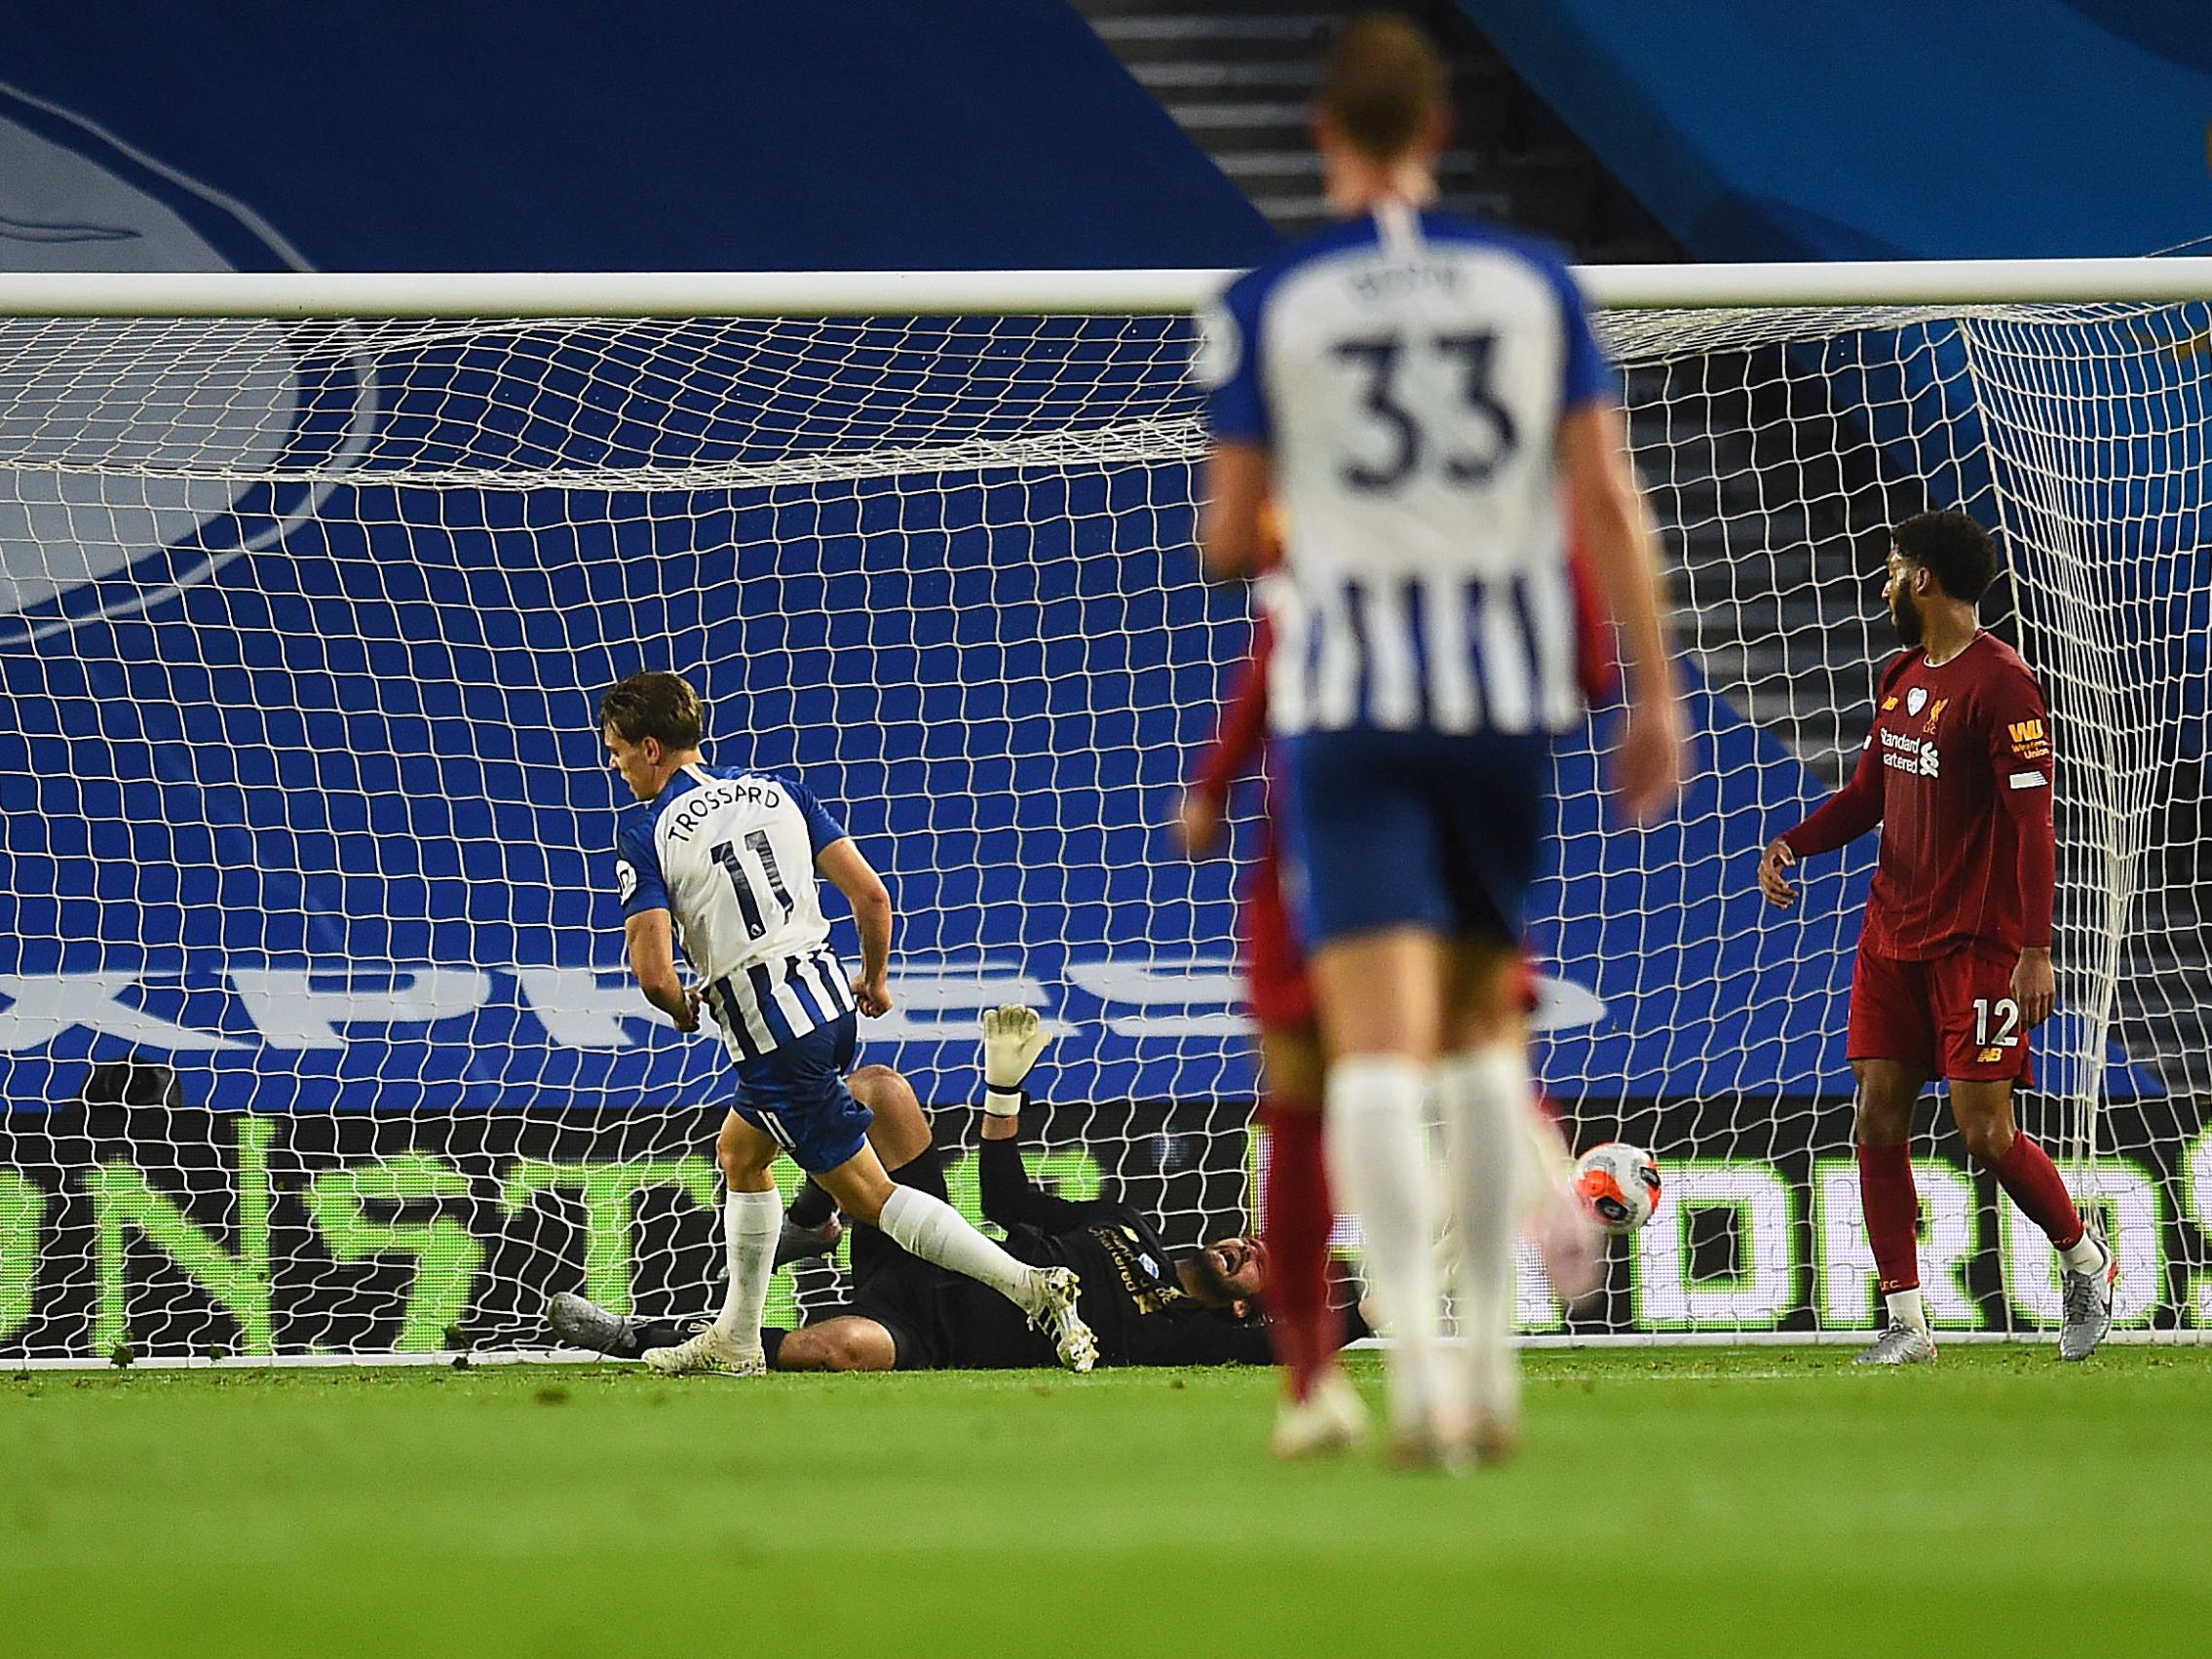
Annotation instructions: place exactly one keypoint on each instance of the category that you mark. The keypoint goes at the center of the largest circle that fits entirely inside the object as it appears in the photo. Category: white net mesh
(311, 1030)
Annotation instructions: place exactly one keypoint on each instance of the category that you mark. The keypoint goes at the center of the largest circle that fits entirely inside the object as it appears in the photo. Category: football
(1618, 1184)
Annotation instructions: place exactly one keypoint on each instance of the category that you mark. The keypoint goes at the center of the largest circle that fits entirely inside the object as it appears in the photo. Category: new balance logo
(1990, 1057)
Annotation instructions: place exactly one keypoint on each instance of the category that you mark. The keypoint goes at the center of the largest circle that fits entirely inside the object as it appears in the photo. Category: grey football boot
(584, 1324)
(1900, 1345)
(2086, 1301)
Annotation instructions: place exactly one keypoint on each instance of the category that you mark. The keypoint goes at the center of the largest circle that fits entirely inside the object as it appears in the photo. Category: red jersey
(1958, 773)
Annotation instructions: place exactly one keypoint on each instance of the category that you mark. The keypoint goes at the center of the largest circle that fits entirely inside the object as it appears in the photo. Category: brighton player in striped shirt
(1954, 964)
(1320, 1412)
(1418, 393)
(725, 860)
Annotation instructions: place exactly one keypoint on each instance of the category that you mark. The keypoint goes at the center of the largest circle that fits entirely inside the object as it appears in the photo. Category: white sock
(933, 1230)
(750, 1221)
(2083, 1254)
(1484, 1096)
(1905, 1309)
(1380, 1168)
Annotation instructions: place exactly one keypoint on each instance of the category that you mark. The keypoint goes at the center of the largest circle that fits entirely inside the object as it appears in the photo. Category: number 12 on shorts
(2007, 1015)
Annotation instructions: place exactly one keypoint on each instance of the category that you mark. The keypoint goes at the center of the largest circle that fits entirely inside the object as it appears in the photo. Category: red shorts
(1274, 963)
(1952, 1016)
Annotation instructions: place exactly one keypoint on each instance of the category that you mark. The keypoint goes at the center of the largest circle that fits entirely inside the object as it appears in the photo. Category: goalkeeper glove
(1012, 1039)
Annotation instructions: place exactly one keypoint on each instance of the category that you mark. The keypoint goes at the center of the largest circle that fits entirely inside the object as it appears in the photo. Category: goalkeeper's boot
(1332, 1419)
(584, 1324)
(800, 1244)
(1900, 1345)
(2086, 1299)
(1055, 1315)
(707, 1353)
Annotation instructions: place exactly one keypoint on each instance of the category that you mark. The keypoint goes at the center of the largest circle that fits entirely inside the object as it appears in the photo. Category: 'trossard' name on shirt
(702, 803)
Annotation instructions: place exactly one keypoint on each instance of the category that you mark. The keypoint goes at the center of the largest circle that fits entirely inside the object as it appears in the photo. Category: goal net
(314, 1038)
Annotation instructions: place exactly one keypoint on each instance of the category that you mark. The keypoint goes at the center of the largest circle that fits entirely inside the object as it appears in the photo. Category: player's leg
(1982, 1109)
(1552, 1216)
(901, 1135)
(1372, 914)
(753, 1217)
(1986, 1052)
(1380, 994)
(1893, 1051)
(1484, 1093)
(1488, 797)
(928, 1227)
(900, 1130)
(1320, 1411)
(1882, 1130)
(1296, 1213)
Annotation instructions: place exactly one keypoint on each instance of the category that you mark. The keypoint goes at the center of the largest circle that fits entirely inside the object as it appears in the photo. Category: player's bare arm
(846, 868)
(653, 961)
(1233, 529)
(2035, 986)
(1845, 816)
(1198, 823)
(1608, 509)
(1240, 737)
(2026, 798)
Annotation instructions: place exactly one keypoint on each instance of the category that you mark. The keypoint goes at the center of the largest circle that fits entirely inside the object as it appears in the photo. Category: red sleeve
(2021, 772)
(1598, 661)
(1848, 813)
(1855, 808)
(1243, 732)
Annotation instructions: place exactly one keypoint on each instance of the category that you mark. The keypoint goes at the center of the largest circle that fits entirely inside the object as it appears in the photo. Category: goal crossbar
(922, 294)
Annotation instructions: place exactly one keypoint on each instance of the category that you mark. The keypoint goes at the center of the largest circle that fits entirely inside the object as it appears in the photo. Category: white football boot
(1332, 1419)
(1056, 1316)
(707, 1353)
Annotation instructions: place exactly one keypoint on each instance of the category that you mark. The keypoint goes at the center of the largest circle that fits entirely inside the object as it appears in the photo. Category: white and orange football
(1618, 1184)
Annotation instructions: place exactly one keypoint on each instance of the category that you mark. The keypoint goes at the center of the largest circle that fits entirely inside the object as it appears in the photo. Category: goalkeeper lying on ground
(1145, 1306)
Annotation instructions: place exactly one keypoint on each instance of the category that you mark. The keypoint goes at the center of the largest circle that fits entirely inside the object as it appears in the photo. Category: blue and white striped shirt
(731, 856)
(1408, 374)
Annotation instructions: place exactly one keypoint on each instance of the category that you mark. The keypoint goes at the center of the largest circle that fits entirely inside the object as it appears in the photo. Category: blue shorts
(1441, 831)
(796, 1097)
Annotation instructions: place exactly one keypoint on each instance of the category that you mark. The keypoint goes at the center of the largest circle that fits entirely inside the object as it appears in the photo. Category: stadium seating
(2036, 128)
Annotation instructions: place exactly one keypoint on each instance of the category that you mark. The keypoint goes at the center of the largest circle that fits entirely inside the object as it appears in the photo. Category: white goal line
(1698, 1339)
(917, 293)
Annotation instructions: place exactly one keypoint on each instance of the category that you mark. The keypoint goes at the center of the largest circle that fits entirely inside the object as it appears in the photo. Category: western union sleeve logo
(2028, 740)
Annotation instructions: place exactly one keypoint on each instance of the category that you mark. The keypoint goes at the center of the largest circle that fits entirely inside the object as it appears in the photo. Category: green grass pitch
(1767, 1501)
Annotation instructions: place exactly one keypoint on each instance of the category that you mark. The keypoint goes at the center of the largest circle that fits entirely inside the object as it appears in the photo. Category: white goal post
(312, 1037)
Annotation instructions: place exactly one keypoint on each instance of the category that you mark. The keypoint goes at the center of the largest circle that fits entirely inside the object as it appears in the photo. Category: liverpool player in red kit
(1954, 961)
